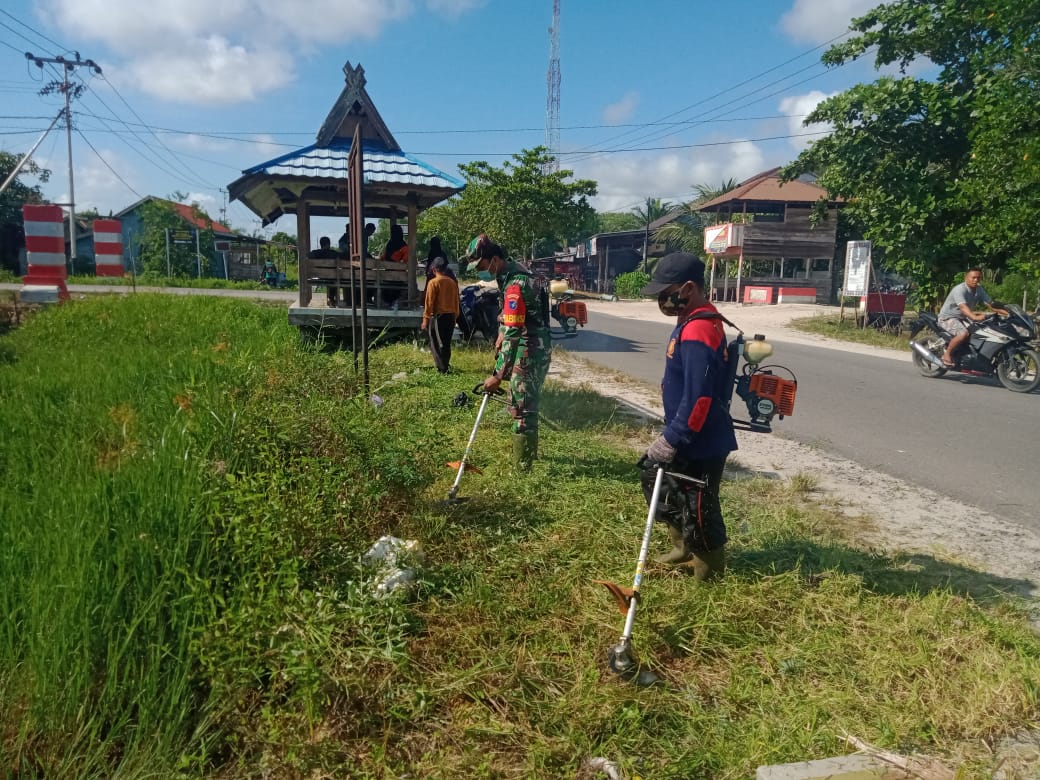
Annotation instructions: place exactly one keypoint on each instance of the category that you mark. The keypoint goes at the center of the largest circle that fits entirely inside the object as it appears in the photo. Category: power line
(35, 31)
(164, 146)
(747, 80)
(113, 170)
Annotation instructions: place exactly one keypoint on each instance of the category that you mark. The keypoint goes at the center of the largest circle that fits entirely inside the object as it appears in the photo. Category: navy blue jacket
(697, 422)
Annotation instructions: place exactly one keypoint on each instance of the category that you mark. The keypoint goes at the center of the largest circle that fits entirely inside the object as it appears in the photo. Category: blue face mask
(484, 276)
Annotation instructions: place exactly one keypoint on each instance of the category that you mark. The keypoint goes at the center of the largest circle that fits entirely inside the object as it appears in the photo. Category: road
(969, 439)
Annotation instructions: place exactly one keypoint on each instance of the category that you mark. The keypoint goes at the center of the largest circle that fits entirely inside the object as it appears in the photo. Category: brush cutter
(463, 465)
(621, 659)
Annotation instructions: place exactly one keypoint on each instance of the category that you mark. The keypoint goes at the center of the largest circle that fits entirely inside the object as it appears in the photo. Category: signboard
(857, 268)
(725, 239)
(181, 236)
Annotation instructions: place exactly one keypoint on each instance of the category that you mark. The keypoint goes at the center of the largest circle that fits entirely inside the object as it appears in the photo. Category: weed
(187, 491)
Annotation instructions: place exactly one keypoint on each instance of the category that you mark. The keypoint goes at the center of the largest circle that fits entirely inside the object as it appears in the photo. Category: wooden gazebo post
(413, 242)
(303, 246)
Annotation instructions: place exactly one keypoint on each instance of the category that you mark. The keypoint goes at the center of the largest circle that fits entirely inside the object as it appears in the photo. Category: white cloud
(817, 21)
(97, 187)
(627, 180)
(205, 52)
(618, 112)
(796, 107)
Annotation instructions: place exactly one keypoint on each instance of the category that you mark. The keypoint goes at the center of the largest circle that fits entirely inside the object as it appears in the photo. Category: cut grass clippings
(188, 488)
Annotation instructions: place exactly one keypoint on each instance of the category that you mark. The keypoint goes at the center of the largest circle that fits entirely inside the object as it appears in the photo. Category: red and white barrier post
(45, 247)
(108, 247)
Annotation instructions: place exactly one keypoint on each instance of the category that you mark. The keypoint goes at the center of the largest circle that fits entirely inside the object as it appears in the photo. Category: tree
(17, 194)
(685, 233)
(654, 209)
(158, 217)
(526, 205)
(939, 173)
(617, 222)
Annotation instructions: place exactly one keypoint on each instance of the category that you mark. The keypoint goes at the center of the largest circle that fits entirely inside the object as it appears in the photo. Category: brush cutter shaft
(644, 548)
(469, 447)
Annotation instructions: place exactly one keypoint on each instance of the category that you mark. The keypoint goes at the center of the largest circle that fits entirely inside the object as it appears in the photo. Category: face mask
(484, 276)
(671, 304)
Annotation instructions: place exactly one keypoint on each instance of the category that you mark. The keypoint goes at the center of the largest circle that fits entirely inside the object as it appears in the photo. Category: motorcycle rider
(958, 310)
(523, 354)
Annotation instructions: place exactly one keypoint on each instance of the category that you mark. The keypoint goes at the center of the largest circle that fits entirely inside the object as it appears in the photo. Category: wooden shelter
(781, 247)
(312, 181)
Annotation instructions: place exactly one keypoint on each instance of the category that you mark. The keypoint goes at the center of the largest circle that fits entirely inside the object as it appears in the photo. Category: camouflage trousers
(525, 384)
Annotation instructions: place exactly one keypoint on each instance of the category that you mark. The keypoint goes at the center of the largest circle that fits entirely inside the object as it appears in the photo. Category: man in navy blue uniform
(698, 434)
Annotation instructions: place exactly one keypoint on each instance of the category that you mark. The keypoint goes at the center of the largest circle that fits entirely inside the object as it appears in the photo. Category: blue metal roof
(381, 165)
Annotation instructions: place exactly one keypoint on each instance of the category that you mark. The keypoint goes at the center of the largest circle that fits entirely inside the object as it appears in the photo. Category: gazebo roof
(317, 174)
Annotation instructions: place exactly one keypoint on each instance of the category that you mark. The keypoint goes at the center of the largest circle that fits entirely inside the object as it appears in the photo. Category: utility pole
(223, 206)
(70, 91)
(646, 234)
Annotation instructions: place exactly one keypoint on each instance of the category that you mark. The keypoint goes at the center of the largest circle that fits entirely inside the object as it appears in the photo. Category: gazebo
(312, 181)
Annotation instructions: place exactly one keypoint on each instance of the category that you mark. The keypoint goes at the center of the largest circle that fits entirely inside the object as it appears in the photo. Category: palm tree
(655, 209)
(685, 233)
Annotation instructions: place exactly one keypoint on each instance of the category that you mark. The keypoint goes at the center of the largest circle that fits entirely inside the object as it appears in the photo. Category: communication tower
(552, 102)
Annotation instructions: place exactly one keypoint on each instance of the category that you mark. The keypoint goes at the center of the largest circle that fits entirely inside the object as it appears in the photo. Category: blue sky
(656, 96)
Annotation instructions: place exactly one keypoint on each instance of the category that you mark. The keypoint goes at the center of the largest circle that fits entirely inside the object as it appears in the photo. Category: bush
(628, 285)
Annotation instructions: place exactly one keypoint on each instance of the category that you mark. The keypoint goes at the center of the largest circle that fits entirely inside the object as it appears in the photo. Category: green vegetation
(628, 285)
(940, 172)
(153, 280)
(846, 330)
(529, 208)
(187, 490)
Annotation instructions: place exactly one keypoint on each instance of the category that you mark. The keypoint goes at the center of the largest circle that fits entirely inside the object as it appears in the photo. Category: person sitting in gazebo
(396, 249)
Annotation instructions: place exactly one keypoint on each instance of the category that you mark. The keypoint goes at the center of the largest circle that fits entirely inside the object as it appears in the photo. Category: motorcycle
(997, 346)
(479, 307)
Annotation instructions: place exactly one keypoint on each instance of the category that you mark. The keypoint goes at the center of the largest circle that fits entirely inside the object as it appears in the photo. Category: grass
(847, 330)
(187, 490)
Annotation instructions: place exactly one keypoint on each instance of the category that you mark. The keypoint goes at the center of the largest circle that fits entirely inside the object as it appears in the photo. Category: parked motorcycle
(997, 346)
(479, 308)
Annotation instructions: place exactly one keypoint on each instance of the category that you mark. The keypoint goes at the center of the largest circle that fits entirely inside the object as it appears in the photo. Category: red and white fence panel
(45, 246)
(108, 247)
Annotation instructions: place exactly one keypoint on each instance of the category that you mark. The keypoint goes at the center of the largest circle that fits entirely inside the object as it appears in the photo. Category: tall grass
(185, 493)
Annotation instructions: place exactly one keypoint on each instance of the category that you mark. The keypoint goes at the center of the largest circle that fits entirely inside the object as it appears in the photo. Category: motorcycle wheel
(935, 345)
(1020, 372)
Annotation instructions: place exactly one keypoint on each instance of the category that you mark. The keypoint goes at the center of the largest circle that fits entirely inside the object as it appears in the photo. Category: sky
(656, 96)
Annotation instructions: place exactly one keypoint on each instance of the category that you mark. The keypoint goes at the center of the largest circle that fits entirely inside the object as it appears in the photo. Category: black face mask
(671, 304)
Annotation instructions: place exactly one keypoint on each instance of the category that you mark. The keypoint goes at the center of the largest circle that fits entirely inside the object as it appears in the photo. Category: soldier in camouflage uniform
(524, 352)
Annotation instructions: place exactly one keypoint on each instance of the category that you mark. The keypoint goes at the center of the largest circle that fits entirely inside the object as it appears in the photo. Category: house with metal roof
(312, 181)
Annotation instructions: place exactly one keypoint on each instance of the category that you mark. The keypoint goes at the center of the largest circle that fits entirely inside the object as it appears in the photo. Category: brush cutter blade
(457, 464)
(622, 596)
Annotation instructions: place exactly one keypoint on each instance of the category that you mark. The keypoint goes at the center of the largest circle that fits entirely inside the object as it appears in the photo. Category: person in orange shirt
(440, 311)
(396, 249)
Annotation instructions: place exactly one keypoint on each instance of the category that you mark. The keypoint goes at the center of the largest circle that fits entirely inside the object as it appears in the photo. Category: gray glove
(660, 451)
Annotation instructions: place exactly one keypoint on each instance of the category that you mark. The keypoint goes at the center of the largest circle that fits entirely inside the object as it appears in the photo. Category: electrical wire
(113, 170)
(172, 154)
(35, 31)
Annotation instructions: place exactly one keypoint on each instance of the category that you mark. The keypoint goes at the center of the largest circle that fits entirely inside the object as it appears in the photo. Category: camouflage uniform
(524, 354)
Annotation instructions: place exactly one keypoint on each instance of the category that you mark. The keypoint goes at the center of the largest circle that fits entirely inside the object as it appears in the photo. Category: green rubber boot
(707, 566)
(525, 449)
(678, 552)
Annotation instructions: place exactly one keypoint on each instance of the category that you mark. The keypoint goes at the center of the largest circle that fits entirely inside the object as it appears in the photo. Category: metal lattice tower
(552, 79)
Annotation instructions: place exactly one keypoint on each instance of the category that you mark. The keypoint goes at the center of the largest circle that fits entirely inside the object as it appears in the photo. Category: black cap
(676, 268)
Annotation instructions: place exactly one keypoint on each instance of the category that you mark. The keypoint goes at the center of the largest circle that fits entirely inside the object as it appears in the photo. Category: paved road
(966, 438)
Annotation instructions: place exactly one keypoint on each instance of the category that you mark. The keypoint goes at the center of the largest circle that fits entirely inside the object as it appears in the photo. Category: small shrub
(628, 285)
